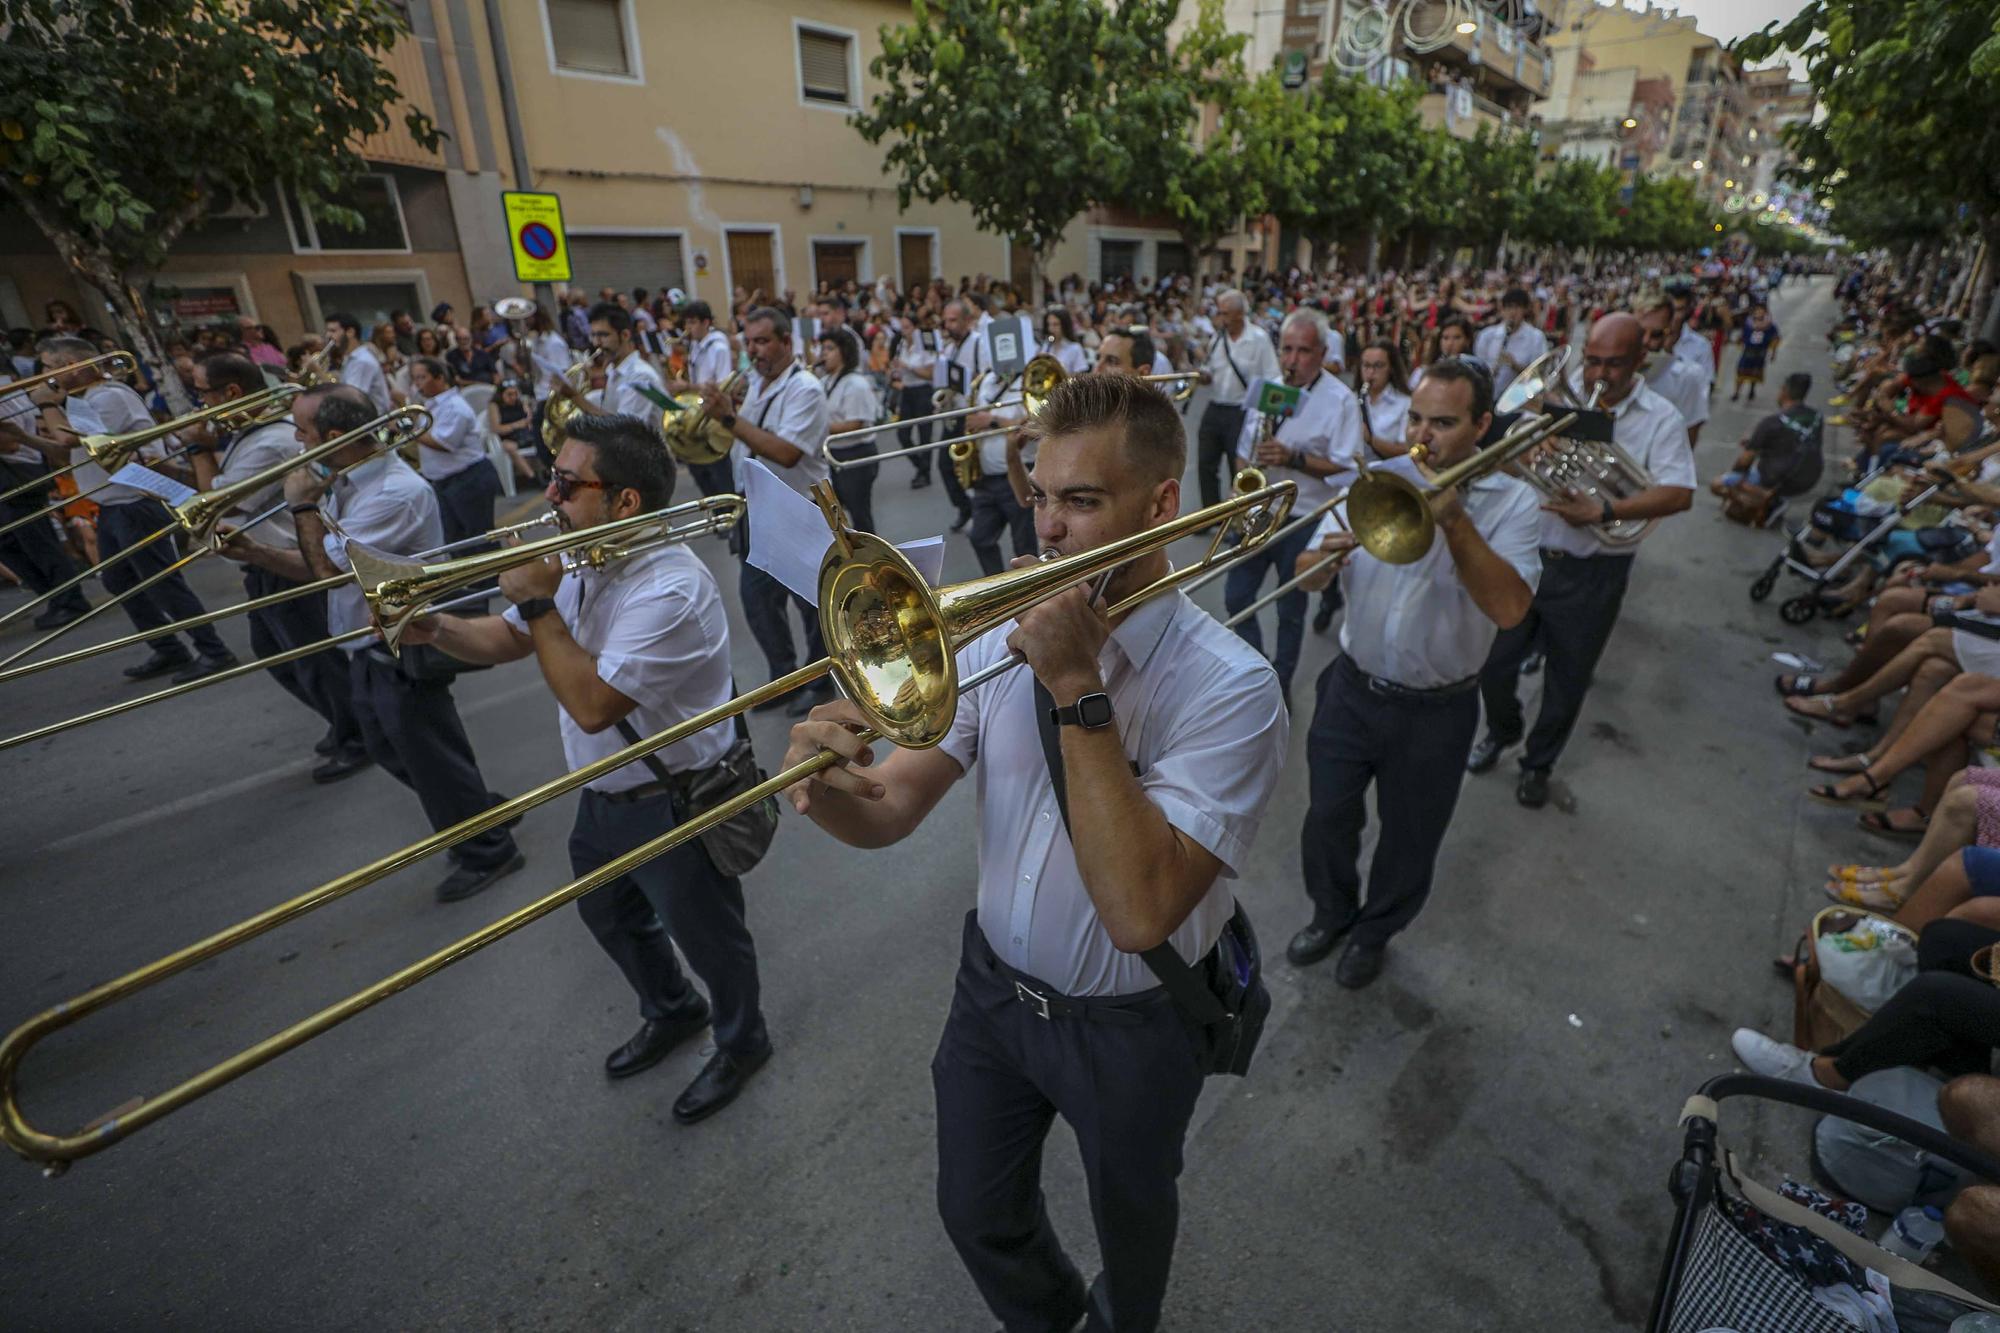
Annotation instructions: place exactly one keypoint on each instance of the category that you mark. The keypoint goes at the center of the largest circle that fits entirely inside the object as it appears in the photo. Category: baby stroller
(1714, 1276)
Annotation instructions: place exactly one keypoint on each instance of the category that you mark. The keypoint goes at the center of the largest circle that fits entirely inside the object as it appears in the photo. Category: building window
(374, 197)
(590, 37)
(1117, 259)
(826, 67)
(369, 302)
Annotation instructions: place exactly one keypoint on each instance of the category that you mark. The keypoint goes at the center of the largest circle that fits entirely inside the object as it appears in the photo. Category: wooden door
(836, 262)
(914, 249)
(752, 265)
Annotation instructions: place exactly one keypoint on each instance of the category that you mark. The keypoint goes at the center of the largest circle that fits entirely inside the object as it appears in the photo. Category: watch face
(1094, 710)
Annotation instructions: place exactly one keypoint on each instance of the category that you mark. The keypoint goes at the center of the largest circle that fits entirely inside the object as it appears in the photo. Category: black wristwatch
(1609, 515)
(1092, 712)
(728, 422)
(535, 607)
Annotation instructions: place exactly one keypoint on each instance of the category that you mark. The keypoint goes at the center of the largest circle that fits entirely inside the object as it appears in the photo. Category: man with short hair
(33, 550)
(1784, 452)
(1511, 346)
(1056, 1012)
(959, 370)
(1673, 378)
(405, 330)
(1125, 350)
(632, 387)
(709, 361)
(1242, 353)
(451, 454)
(629, 650)
(359, 366)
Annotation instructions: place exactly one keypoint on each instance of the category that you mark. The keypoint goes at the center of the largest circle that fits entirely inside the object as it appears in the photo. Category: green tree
(1370, 154)
(123, 124)
(1500, 179)
(1573, 204)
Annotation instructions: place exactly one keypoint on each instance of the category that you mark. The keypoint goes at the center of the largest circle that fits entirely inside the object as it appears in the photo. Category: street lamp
(1729, 185)
(1697, 164)
(1629, 123)
(1467, 28)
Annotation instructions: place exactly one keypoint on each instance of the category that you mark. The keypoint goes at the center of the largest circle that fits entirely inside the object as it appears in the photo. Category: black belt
(1391, 689)
(1551, 553)
(644, 791)
(1044, 1001)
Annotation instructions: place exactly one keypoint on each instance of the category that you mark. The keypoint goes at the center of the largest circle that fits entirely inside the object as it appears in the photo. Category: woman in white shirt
(851, 403)
(1385, 397)
(1059, 341)
(548, 350)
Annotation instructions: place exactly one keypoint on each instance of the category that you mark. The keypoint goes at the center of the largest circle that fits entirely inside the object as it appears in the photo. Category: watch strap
(1073, 716)
(535, 607)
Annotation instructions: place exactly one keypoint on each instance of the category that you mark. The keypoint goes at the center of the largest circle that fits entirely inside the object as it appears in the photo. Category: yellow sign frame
(534, 223)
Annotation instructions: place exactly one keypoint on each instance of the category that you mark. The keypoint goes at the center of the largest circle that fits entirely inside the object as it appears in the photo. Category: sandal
(1793, 685)
(1830, 793)
(1819, 708)
(1879, 897)
(1856, 873)
(1843, 764)
(1878, 823)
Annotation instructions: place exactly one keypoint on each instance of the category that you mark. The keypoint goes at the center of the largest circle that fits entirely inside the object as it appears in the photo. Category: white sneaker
(1773, 1059)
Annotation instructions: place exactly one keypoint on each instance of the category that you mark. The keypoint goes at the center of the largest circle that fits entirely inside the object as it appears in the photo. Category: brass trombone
(114, 363)
(892, 644)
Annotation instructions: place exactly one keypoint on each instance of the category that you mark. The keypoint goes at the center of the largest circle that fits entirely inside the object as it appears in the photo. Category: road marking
(250, 782)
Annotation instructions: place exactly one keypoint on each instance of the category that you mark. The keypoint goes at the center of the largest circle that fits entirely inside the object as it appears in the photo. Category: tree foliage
(123, 123)
(1572, 203)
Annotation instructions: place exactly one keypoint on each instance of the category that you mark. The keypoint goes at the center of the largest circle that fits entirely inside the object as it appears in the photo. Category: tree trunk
(1984, 307)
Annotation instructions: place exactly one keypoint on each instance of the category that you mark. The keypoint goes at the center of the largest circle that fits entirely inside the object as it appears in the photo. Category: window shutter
(823, 67)
(589, 35)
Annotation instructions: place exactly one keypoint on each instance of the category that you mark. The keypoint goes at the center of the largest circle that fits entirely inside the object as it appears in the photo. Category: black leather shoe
(717, 1084)
(964, 517)
(326, 744)
(1313, 943)
(57, 617)
(654, 1039)
(338, 766)
(1323, 618)
(1486, 754)
(1359, 965)
(159, 664)
(204, 666)
(1533, 790)
(920, 481)
(465, 881)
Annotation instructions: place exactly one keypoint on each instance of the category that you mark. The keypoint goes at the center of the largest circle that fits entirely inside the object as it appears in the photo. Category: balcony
(1506, 56)
(1473, 111)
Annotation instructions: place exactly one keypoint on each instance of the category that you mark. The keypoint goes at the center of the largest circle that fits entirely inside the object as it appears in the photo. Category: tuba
(1579, 463)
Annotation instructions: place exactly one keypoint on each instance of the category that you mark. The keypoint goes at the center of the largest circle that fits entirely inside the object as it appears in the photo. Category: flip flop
(1878, 823)
(1828, 793)
(1819, 708)
(1793, 684)
(1826, 763)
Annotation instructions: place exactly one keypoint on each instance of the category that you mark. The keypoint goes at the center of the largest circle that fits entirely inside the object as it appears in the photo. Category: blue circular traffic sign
(538, 241)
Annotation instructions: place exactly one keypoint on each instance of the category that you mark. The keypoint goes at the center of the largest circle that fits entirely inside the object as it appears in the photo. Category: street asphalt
(1480, 1141)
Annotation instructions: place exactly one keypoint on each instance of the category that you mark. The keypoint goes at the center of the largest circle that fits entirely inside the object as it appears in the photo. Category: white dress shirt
(455, 426)
(852, 398)
(708, 360)
(1200, 713)
(1234, 362)
(249, 453)
(917, 354)
(1524, 344)
(623, 384)
(960, 368)
(387, 507)
(1416, 624)
(551, 356)
(363, 369)
(1683, 386)
(793, 408)
(1649, 428)
(1697, 351)
(110, 408)
(17, 410)
(1388, 413)
(993, 448)
(1326, 425)
(657, 627)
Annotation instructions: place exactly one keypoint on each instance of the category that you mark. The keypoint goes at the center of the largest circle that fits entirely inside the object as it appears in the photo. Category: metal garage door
(625, 262)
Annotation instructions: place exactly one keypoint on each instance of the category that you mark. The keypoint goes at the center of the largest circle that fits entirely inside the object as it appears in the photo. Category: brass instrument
(693, 435)
(318, 370)
(556, 413)
(1598, 469)
(112, 363)
(399, 588)
(942, 395)
(964, 456)
(892, 641)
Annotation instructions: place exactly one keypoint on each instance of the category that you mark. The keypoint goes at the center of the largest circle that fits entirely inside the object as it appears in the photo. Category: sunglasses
(568, 484)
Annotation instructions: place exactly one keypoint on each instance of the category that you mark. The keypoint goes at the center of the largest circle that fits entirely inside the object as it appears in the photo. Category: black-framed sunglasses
(568, 483)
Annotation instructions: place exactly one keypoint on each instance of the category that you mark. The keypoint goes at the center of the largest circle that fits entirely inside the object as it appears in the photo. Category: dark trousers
(1216, 441)
(994, 511)
(123, 526)
(679, 898)
(713, 478)
(916, 402)
(319, 681)
(33, 550)
(764, 603)
(1574, 611)
(855, 486)
(1946, 1016)
(1002, 1075)
(465, 501)
(412, 730)
(1413, 748)
(1242, 584)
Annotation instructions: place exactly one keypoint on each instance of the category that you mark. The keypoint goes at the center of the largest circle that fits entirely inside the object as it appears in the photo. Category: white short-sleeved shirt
(1682, 385)
(1699, 353)
(455, 426)
(551, 354)
(111, 408)
(623, 384)
(961, 367)
(1198, 711)
(1388, 413)
(1649, 428)
(657, 627)
(1070, 356)
(708, 360)
(1233, 363)
(1416, 624)
(793, 408)
(852, 398)
(384, 505)
(363, 369)
(1326, 425)
(249, 453)
(17, 410)
(993, 448)
(1524, 344)
(917, 354)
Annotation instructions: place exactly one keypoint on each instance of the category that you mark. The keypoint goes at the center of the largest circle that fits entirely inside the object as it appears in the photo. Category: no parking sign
(535, 232)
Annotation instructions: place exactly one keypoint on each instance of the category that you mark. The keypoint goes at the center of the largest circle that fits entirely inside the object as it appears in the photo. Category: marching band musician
(709, 361)
(1125, 351)
(95, 405)
(318, 681)
(1385, 398)
(1510, 346)
(1171, 734)
(1317, 446)
(1584, 577)
(851, 403)
(33, 550)
(1675, 379)
(628, 651)
(1059, 341)
(452, 456)
(782, 423)
(1242, 352)
(959, 371)
(408, 720)
(1397, 707)
(914, 360)
(995, 506)
(359, 366)
(631, 386)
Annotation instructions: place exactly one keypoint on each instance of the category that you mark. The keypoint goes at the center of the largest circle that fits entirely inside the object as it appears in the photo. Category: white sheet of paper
(788, 536)
(142, 478)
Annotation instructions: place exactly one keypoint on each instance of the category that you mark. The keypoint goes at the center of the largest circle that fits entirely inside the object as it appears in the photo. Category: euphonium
(693, 435)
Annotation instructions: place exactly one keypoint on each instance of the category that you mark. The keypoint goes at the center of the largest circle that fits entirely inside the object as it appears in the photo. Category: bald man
(1583, 576)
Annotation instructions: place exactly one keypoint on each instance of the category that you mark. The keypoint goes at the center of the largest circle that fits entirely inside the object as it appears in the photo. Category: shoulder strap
(651, 761)
(1188, 990)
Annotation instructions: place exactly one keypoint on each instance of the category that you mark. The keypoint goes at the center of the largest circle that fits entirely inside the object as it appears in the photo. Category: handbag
(1747, 504)
(1821, 1013)
(738, 843)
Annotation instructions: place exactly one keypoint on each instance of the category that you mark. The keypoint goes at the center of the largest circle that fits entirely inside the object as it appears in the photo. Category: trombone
(405, 589)
(113, 363)
(892, 644)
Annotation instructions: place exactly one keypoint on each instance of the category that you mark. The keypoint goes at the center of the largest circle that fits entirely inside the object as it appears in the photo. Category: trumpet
(892, 642)
(113, 363)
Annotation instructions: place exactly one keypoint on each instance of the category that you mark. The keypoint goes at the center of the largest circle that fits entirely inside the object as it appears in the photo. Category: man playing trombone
(1398, 707)
(32, 549)
(407, 717)
(629, 650)
(1170, 735)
